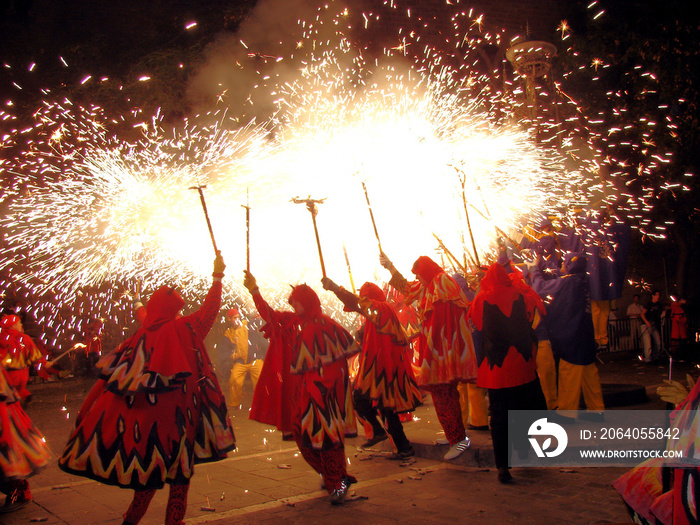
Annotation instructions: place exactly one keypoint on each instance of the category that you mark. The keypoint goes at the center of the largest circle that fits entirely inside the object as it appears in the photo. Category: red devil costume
(503, 311)
(445, 346)
(384, 380)
(18, 353)
(665, 490)
(272, 398)
(319, 392)
(157, 408)
(23, 451)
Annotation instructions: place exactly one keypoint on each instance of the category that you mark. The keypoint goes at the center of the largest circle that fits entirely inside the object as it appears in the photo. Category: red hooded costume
(319, 392)
(384, 374)
(324, 413)
(17, 352)
(157, 408)
(503, 311)
(23, 450)
(272, 399)
(445, 346)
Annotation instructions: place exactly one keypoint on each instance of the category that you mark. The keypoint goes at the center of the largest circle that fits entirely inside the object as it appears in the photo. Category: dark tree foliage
(639, 92)
(121, 40)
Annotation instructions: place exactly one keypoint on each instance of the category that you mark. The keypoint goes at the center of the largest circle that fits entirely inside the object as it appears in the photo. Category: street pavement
(266, 479)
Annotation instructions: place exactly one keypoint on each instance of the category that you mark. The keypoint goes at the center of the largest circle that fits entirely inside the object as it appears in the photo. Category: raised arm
(203, 319)
(267, 313)
(397, 280)
(349, 299)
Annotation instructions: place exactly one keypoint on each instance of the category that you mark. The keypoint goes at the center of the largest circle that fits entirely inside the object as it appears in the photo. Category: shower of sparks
(92, 219)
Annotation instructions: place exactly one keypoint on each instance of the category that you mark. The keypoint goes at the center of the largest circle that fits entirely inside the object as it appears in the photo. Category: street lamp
(531, 59)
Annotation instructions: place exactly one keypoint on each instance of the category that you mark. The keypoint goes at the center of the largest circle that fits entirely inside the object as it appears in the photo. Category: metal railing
(626, 335)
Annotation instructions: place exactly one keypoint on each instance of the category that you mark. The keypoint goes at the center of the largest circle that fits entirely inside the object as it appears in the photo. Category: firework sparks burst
(90, 214)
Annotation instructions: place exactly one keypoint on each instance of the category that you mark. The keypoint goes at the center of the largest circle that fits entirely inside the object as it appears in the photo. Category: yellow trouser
(600, 311)
(475, 408)
(238, 373)
(547, 372)
(573, 379)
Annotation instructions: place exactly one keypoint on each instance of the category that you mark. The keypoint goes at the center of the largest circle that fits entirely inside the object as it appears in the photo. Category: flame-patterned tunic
(385, 374)
(445, 345)
(23, 451)
(320, 390)
(157, 408)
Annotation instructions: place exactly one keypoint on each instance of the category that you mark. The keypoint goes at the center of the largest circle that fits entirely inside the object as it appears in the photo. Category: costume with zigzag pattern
(316, 387)
(157, 408)
(324, 412)
(18, 353)
(445, 344)
(384, 374)
(23, 451)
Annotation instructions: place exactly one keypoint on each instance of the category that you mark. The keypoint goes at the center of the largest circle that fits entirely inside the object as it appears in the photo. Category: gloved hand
(328, 284)
(530, 259)
(219, 265)
(249, 282)
(674, 392)
(385, 261)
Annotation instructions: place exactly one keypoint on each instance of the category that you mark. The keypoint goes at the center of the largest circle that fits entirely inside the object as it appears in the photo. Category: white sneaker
(458, 448)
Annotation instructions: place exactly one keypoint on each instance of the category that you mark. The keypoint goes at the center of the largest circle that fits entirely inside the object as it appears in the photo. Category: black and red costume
(23, 450)
(503, 311)
(157, 408)
(317, 388)
(385, 380)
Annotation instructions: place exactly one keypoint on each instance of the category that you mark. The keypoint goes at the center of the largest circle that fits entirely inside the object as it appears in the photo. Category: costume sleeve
(349, 299)
(399, 282)
(203, 319)
(266, 312)
(544, 287)
(504, 261)
(140, 313)
(412, 291)
(384, 318)
(34, 354)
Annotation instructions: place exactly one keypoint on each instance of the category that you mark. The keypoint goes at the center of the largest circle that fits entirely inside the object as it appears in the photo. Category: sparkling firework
(90, 216)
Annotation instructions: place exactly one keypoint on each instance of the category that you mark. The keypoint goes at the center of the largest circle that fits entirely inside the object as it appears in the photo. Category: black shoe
(398, 456)
(287, 436)
(377, 438)
(480, 427)
(504, 476)
(13, 506)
